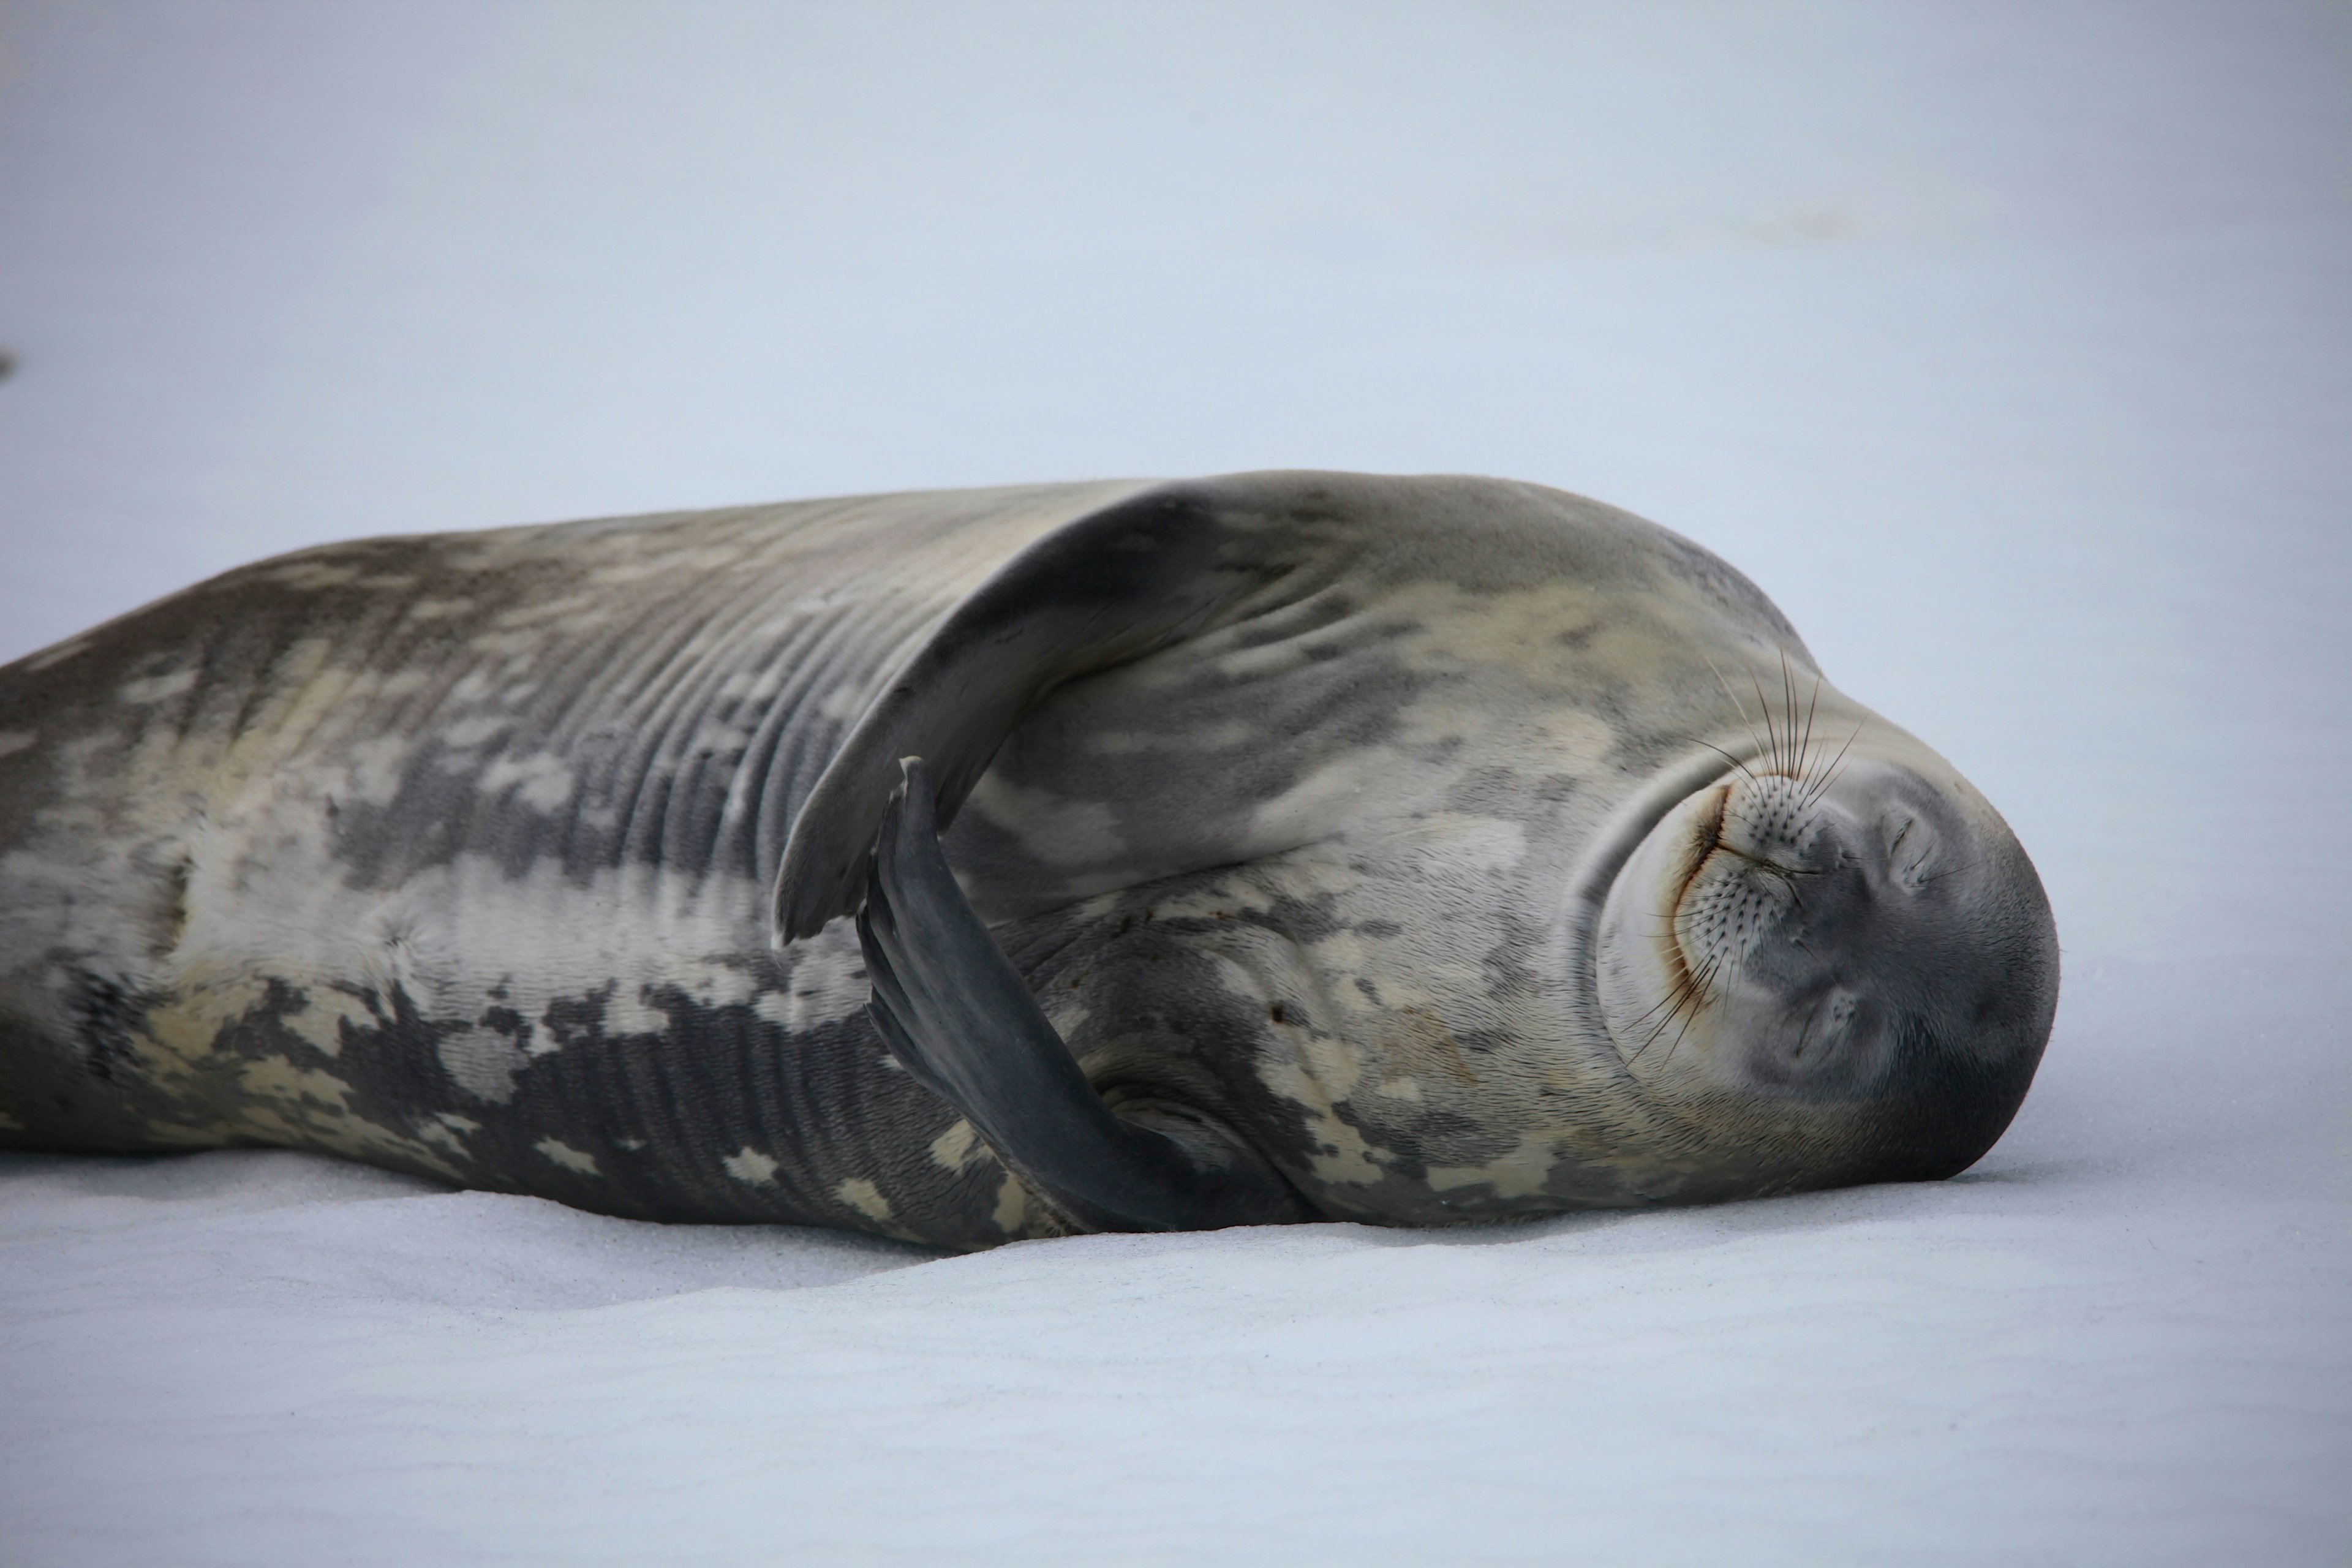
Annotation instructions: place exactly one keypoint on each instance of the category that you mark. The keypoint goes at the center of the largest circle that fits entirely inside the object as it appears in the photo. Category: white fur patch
(864, 1196)
(156, 687)
(565, 1155)
(750, 1167)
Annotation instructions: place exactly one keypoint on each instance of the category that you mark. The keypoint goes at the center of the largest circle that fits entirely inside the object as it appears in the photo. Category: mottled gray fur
(1297, 807)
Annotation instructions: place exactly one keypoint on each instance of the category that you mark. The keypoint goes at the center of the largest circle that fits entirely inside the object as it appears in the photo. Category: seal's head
(1839, 971)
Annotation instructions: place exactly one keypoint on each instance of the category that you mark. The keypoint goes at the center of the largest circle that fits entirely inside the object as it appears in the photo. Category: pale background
(2009, 347)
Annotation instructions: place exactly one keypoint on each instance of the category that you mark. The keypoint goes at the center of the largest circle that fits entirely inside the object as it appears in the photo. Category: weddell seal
(1323, 846)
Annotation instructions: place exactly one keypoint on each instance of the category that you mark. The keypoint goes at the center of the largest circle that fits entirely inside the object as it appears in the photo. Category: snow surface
(2010, 347)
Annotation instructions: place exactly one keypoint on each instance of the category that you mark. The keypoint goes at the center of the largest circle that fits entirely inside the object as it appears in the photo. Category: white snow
(2008, 346)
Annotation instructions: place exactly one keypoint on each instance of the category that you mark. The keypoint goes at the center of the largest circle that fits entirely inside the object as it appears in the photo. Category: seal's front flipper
(958, 1017)
(1163, 565)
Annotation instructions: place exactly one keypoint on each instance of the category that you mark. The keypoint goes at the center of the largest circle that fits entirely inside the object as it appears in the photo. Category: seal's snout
(1870, 952)
(1819, 923)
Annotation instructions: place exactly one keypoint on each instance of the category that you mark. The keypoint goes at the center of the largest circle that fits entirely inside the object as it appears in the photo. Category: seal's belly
(682, 1083)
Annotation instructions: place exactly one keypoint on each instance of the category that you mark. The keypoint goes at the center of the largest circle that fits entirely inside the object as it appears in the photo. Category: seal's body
(1409, 850)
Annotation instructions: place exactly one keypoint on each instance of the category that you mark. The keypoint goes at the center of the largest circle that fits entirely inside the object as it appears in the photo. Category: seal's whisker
(1689, 987)
(1788, 711)
(1812, 706)
(1764, 709)
(1829, 771)
(1740, 708)
(1688, 1019)
(1675, 996)
(1735, 761)
(1686, 997)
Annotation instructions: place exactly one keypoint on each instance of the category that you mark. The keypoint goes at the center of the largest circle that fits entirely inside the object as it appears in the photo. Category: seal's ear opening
(1109, 587)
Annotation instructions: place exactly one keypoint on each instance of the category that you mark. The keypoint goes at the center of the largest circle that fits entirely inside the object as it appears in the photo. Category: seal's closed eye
(960, 1018)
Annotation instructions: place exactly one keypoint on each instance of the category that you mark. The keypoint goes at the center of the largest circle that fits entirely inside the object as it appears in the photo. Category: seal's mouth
(1705, 837)
(1708, 811)
(1713, 769)
(1704, 898)
(1707, 770)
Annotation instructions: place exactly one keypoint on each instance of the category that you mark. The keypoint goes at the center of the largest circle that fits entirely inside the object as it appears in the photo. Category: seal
(1271, 847)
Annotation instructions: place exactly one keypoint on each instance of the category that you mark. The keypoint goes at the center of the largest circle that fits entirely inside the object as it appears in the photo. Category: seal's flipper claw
(961, 1019)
